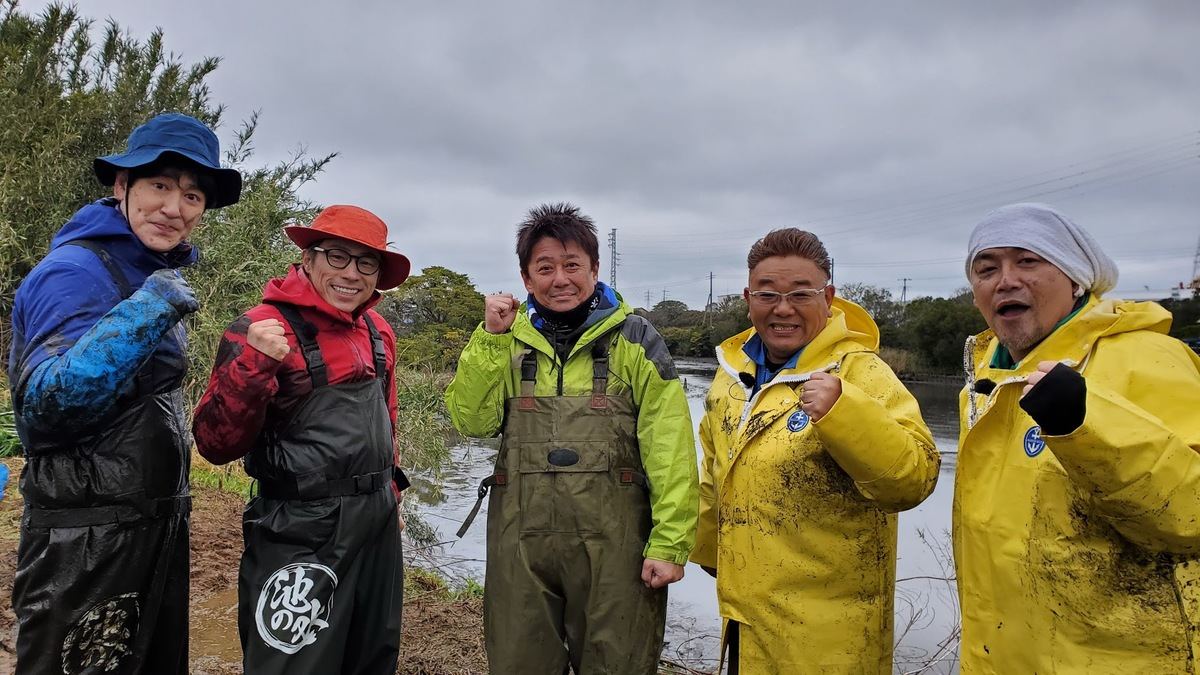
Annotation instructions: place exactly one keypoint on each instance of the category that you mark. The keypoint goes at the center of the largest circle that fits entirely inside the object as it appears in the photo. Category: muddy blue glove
(3, 480)
(170, 286)
(73, 392)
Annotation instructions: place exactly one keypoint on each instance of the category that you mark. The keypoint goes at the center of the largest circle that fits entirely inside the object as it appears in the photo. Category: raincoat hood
(1071, 342)
(609, 311)
(850, 329)
(101, 221)
(297, 289)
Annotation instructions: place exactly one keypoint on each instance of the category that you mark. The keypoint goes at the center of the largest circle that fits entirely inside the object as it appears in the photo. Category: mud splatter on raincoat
(1077, 553)
(799, 517)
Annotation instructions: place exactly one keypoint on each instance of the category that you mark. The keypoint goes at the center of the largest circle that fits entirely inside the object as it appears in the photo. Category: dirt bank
(442, 633)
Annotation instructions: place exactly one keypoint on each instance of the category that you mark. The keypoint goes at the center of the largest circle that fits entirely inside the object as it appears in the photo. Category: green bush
(10, 445)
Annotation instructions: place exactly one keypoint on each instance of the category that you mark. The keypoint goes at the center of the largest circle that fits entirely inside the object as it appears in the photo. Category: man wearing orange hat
(304, 388)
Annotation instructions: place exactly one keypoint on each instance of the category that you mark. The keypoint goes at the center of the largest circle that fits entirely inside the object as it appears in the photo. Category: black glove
(1058, 402)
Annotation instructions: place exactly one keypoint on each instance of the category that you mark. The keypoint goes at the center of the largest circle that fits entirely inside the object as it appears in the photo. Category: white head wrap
(1048, 233)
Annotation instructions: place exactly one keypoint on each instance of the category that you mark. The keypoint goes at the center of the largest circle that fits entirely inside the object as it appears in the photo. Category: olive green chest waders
(102, 566)
(322, 580)
(568, 519)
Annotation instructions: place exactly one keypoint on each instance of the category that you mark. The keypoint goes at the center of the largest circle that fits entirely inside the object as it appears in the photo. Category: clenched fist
(169, 285)
(1043, 368)
(499, 312)
(819, 394)
(267, 337)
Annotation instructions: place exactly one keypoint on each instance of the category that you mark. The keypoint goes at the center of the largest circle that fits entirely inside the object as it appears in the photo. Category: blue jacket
(77, 343)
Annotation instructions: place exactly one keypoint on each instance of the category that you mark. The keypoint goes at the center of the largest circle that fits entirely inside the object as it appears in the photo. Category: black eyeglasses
(339, 259)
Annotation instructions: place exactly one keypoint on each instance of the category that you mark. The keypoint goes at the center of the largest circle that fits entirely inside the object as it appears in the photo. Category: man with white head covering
(1077, 495)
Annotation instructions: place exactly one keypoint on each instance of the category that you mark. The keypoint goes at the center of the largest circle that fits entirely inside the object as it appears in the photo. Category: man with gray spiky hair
(1083, 558)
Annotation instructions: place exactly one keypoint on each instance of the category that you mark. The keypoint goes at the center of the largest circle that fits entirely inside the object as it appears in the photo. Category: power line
(1132, 165)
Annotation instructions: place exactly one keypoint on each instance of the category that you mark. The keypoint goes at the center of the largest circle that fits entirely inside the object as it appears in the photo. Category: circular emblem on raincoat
(103, 637)
(1034, 445)
(798, 421)
(294, 605)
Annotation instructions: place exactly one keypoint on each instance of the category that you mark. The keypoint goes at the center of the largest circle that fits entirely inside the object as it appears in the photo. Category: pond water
(926, 606)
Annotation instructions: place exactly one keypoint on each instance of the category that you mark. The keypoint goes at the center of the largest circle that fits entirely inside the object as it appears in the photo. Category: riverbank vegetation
(921, 337)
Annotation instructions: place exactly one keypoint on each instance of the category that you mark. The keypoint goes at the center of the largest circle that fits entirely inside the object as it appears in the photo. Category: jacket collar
(1072, 343)
(296, 289)
(601, 320)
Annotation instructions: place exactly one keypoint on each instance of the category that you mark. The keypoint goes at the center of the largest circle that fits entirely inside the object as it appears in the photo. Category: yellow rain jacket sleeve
(1091, 537)
(1138, 451)
(705, 552)
(893, 461)
(799, 518)
(489, 373)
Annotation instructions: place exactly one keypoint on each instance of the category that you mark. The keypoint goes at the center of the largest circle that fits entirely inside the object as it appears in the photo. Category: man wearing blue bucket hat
(98, 357)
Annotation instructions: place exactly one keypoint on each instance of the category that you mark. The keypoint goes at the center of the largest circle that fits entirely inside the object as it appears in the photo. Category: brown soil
(441, 636)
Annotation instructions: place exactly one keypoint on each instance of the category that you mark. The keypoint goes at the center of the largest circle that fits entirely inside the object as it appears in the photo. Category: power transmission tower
(708, 305)
(904, 289)
(612, 245)
(647, 299)
(1196, 269)
(664, 295)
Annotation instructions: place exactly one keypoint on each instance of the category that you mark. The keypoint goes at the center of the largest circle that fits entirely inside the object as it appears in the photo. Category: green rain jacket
(489, 372)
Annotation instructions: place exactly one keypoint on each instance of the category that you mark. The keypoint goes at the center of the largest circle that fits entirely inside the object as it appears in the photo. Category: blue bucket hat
(180, 135)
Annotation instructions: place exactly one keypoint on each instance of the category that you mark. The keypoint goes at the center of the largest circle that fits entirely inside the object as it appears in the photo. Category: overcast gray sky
(695, 127)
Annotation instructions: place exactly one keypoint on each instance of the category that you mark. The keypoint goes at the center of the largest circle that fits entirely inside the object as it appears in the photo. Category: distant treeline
(924, 335)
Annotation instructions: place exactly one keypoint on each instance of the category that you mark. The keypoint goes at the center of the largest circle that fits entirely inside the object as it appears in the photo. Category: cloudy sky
(695, 127)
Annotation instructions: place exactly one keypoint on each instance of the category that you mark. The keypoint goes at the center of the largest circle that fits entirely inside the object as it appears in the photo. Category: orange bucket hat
(361, 227)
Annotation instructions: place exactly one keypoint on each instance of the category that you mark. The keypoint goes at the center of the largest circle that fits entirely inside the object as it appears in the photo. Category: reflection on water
(926, 607)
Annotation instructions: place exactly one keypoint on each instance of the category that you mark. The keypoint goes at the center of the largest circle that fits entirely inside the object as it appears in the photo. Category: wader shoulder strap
(114, 270)
(528, 380)
(379, 353)
(600, 349)
(306, 335)
(145, 374)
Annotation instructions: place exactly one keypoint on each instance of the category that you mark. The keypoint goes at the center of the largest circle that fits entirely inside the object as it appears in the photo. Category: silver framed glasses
(798, 297)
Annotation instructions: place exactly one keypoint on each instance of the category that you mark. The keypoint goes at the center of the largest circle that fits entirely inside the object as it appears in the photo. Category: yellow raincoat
(797, 516)
(1077, 553)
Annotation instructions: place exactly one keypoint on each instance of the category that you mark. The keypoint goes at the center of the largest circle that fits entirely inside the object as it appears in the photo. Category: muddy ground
(442, 635)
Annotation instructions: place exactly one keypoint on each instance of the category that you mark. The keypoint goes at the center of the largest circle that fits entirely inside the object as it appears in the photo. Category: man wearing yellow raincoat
(811, 447)
(1077, 498)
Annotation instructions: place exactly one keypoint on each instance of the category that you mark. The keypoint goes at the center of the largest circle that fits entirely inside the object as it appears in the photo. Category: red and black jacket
(250, 392)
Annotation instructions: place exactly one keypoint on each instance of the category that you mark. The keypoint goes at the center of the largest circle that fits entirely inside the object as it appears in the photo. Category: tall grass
(422, 423)
(10, 445)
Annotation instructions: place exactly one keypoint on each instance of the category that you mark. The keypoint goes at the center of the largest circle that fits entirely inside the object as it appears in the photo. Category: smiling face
(560, 276)
(162, 209)
(1021, 295)
(786, 327)
(347, 288)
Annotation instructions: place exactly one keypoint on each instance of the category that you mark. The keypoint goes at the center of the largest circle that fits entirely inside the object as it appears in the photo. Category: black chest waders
(321, 580)
(568, 519)
(103, 562)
